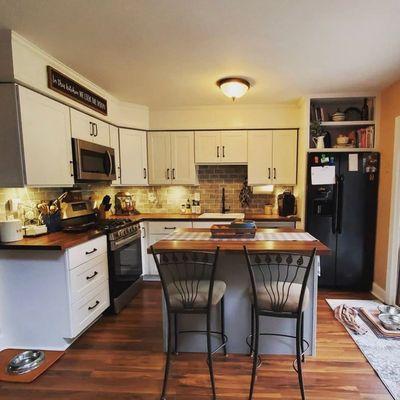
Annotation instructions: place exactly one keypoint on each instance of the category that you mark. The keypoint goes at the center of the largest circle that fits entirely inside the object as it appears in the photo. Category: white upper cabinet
(272, 157)
(284, 150)
(159, 158)
(234, 145)
(171, 158)
(182, 158)
(46, 136)
(207, 147)
(88, 128)
(114, 143)
(259, 167)
(133, 157)
(216, 147)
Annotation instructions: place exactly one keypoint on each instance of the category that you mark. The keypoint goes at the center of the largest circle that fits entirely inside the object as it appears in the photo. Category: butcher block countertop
(52, 241)
(237, 245)
(62, 241)
(196, 217)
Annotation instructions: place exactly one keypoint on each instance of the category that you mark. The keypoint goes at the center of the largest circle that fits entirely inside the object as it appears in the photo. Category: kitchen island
(232, 269)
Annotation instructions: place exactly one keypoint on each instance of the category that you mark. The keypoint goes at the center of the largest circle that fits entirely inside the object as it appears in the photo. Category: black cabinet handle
(91, 252)
(217, 151)
(91, 128)
(92, 276)
(269, 173)
(274, 173)
(144, 173)
(96, 130)
(167, 173)
(170, 228)
(95, 305)
(223, 151)
(173, 173)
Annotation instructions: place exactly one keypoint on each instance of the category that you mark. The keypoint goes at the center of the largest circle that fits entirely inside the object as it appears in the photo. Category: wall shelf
(346, 123)
(342, 150)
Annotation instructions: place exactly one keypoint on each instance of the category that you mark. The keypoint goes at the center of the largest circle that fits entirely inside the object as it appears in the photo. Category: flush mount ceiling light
(233, 87)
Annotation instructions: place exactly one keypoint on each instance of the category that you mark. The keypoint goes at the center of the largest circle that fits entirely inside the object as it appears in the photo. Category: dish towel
(347, 316)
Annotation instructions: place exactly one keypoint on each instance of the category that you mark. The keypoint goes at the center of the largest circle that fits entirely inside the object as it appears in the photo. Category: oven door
(93, 162)
(125, 264)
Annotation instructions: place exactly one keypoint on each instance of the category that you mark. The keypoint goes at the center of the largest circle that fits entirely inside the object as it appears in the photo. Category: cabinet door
(89, 128)
(182, 158)
(233, 147)
(159, 158)
(284, 157)
(133, 157)
(46, 133)
(207, 147)
(151, 264)
(114, 143)
(259, 166)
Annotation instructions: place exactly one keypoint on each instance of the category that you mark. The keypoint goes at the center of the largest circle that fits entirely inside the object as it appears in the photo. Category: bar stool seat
(196, 293)
(276, 296)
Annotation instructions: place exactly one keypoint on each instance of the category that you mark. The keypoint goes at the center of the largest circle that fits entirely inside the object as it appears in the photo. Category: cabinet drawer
(166, 227)
(87, 276)
(87, 309)
(87, 251)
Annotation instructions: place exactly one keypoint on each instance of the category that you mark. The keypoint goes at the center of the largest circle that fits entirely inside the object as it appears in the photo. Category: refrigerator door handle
(339, 204)
(335, 207)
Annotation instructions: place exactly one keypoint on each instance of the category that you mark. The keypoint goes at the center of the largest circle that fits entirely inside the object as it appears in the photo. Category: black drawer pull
(93, 307)
(92, 276)
(91, 252)
(171, 228)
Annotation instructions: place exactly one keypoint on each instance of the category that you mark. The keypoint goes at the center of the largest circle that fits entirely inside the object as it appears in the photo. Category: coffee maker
(286, 204)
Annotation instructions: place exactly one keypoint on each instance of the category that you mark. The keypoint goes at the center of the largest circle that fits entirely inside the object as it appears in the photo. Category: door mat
(383, 354)
(6, 355)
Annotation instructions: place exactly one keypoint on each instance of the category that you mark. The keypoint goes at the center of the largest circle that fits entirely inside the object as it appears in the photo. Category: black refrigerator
(342, 192)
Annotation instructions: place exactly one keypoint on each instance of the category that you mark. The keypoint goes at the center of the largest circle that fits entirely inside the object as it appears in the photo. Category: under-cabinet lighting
(263, 189)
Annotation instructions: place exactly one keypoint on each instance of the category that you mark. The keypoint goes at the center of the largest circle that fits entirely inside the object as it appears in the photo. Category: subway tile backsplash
(212, 178)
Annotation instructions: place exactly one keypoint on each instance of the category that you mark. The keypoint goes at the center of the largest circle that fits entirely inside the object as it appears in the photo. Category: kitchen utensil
(106, 199)
(392, 310)
(25, 362)
(390, 322)
(11, 231)
(338, 116)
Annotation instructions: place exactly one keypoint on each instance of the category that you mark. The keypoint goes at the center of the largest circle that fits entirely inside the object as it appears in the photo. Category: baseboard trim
(378, 292)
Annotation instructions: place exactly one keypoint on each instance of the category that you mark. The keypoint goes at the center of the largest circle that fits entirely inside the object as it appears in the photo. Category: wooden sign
(75, 91)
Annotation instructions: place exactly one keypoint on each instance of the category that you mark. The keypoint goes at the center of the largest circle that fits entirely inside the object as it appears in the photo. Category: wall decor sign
(60, 83)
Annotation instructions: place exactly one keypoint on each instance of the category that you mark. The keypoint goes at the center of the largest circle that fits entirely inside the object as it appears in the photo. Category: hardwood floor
(120, 358)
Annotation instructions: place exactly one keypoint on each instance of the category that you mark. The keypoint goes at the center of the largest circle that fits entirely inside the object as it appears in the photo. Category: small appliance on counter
(125, 204)
(11, 231)
(286, 204)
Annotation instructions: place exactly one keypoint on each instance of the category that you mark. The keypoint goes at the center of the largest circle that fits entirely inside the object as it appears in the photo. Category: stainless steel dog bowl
(393, 310)
(25, 362)
(390, 322)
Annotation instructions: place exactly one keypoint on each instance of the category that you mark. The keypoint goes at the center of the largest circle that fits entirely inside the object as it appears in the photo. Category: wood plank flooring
(121, 358)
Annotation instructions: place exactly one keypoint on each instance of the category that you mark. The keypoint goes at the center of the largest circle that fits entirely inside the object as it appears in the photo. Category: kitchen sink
(222, 216)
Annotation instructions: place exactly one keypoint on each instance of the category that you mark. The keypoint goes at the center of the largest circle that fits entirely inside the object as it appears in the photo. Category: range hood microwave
(93, 162)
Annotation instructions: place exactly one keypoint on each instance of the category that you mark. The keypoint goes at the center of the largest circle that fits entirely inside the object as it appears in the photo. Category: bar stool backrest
(187, 278)
(279, 276)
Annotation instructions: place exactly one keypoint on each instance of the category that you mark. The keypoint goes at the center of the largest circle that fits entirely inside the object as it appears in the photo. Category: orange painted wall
(390, 109)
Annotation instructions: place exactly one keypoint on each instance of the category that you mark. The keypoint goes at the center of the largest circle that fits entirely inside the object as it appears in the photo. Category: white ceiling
(170, 52)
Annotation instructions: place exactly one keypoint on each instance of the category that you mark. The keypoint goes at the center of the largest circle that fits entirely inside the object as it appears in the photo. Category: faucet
(224, 209)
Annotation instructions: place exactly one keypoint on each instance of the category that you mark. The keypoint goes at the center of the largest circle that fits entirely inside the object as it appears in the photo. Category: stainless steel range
(124, 250)
(124, 260)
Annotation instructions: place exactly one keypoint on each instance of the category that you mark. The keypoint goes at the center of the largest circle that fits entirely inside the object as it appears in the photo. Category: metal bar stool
(189, 287)
(278, 289)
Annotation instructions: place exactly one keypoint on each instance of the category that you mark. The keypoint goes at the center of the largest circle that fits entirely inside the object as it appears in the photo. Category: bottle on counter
(188, 207)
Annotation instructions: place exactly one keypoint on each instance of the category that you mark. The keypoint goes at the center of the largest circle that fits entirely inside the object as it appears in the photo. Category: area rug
(383, 354)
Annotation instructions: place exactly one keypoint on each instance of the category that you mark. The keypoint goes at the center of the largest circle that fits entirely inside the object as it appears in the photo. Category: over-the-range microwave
(93, 162)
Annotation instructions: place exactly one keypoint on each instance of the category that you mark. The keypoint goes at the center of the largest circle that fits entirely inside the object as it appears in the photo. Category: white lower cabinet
(156, 231)
(88, 289)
